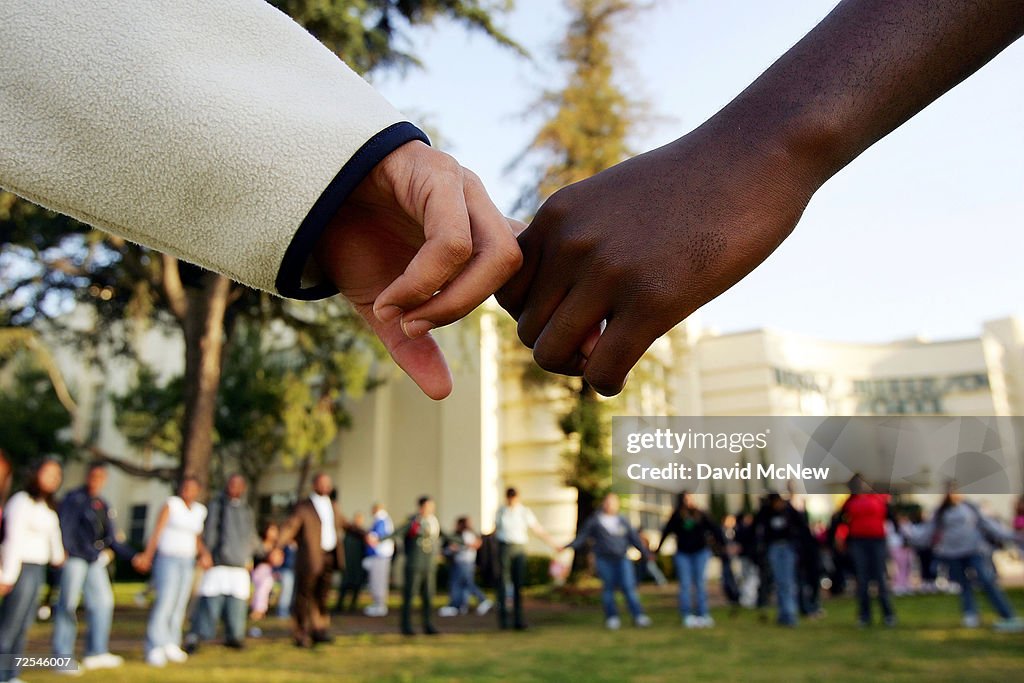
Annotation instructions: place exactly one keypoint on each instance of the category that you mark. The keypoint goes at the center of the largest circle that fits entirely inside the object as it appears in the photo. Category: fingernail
(416, 328)
(386, 314)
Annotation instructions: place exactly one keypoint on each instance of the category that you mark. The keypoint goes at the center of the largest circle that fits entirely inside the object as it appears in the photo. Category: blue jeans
(90, 580)
(690, 568)
(284, 600)
(18, 613)
(782, 560)
(869, 556)
(617, 573)
(960, 569)
(461, 585)
(172, 581)
(214, 608)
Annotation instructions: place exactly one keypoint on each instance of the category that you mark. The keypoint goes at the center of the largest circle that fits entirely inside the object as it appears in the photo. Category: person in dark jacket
(354, 576)
(693, 529)
(610, 535)
(91, 543)
(866, 514)
(231, 537)
(779, 530)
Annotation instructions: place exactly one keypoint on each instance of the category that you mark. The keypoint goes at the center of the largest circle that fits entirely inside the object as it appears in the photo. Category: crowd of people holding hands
(778, 550)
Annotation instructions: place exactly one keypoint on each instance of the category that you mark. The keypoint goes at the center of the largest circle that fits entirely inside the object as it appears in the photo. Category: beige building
(500, 426)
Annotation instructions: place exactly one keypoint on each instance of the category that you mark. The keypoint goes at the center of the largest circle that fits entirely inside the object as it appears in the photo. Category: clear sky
(920, 235)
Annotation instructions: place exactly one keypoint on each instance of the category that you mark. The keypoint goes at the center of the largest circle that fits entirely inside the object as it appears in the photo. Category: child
(263, 573)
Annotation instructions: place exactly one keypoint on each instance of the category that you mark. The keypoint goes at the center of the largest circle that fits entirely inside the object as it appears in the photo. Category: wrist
(794, 151)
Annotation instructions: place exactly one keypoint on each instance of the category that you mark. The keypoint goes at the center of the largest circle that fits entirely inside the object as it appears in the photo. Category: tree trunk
(307, 464)
(586, 500)
(203, 327)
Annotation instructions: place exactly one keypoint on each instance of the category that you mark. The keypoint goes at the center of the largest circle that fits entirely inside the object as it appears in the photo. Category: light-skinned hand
(418, 245)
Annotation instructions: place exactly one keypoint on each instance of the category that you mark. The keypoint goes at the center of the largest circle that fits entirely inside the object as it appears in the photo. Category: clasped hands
(608, 265)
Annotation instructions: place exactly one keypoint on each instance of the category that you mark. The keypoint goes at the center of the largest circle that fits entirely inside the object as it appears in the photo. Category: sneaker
(971, 621)
(484, 607)
(691, 621)
(613, 623)
(448, 611)
(175, 654)
(103, 661)
(705, 621)
(642, 621)
(890, 621)
(376, 611)
(1012, 625)
(157, 657)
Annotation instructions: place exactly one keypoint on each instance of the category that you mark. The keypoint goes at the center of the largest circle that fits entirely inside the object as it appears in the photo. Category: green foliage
(590, 118)
(373, 34)
(34, 422)
(588, 464)
(271, 405)
(149, 415)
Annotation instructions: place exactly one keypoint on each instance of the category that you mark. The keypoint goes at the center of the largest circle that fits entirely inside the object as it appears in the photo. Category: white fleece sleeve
(221, 132)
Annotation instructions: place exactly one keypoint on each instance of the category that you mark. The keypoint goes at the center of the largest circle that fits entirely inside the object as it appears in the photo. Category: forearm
(867, 68)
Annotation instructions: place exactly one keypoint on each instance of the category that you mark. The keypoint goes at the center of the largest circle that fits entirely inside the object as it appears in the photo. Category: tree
(50, 262)
(586, 131)
(35, 421)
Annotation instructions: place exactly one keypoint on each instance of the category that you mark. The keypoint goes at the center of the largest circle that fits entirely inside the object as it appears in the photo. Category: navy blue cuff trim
(298, 253)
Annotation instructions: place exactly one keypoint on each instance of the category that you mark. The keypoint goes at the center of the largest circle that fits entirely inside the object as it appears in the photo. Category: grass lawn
(568, 643)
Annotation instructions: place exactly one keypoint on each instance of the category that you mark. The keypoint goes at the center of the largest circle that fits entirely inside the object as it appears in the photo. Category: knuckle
(448, 165)
(457, 247)
(549, 357)
(508, 259)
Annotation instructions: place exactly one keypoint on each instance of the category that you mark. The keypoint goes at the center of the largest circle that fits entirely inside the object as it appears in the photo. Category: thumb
(421, 358)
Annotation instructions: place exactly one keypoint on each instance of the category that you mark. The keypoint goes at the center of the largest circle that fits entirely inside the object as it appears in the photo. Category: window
(137, 525)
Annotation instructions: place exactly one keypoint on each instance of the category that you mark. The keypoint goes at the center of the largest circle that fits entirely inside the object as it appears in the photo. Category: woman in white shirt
(172, 550)
(32, 540)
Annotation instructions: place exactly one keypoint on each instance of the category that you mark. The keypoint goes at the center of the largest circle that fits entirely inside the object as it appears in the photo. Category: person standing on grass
(378, 560)
(270, 559)
(611, 536)
(901, 554)
(779, 528)
(318, 527)
(693, 530)
(31, 542)
(224, 591)
(512, 526)
(422, 540)
(174, 545)
(462, 578)
(354, 576)
(866, 514)
(961, 535)
(91, 543)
